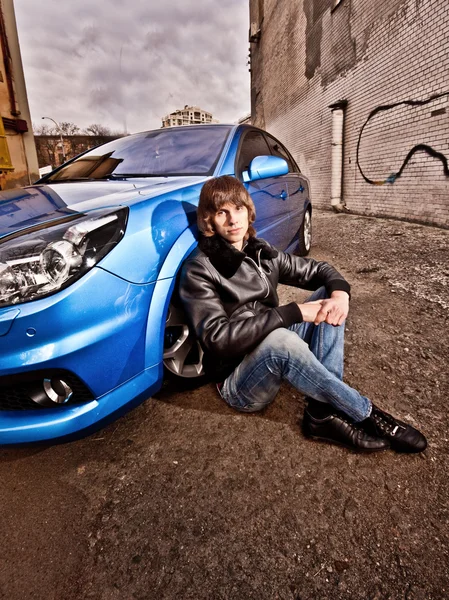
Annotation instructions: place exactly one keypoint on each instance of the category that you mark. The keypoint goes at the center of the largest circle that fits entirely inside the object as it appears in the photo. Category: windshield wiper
(129, 175)
(70, 180)
(74, 179)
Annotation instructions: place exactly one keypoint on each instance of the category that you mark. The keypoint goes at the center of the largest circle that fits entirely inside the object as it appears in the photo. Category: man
(251, 344)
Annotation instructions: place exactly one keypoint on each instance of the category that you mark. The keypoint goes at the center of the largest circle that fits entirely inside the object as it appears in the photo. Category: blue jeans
(309, 357)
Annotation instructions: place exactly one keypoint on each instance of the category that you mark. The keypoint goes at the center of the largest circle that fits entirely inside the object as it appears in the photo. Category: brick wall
(370, 54)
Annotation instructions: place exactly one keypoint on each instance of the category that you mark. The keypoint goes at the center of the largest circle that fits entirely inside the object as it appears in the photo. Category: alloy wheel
(183, 355)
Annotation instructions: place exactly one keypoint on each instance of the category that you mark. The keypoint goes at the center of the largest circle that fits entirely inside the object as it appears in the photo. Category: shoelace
(386, 423)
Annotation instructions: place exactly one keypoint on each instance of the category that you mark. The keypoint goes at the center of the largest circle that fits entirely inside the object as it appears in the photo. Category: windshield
(172, 151)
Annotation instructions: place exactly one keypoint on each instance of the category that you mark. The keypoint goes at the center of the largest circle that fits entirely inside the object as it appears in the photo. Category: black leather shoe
(337, 429)
(402, 437)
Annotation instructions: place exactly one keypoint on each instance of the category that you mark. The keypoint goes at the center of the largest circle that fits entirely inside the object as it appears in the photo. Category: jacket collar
(227, 259)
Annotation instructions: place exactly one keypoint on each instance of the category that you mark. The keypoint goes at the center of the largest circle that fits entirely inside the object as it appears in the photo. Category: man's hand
(310, 310)
(334, 310)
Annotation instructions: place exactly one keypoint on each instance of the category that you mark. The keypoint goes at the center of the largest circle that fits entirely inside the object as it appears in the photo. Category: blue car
(89, 256)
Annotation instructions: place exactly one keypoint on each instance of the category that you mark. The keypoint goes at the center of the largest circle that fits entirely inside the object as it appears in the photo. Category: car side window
(253, 145)
(277, 149)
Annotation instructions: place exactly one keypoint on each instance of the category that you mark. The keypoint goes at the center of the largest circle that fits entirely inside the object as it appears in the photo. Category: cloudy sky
(129, 62)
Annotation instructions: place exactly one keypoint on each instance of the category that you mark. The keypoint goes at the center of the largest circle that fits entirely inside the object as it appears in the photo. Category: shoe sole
(317, 438)
(397, 448)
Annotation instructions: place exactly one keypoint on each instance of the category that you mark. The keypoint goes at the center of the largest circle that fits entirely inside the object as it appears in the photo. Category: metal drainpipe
(338, 122)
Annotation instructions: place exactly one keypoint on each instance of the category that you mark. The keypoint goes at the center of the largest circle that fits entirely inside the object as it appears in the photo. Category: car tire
(305, 234)
(183, 355)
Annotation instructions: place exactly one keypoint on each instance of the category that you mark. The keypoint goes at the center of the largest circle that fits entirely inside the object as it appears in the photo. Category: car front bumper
(96, 329)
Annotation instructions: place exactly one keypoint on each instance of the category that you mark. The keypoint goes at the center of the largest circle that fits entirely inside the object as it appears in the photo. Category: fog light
(53, 391)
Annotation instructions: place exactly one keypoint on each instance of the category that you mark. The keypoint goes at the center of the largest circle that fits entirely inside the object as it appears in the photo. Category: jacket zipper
(260, 271)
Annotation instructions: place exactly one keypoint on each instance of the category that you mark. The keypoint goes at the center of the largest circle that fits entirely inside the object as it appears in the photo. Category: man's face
(231, 222)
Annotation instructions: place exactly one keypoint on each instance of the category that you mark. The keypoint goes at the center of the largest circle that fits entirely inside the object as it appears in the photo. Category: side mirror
(262, 167)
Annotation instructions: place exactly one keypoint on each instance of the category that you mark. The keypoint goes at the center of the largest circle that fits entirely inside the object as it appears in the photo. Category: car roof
(206, 125)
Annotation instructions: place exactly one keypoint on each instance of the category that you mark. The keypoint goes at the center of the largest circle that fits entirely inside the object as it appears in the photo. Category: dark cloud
(114, 62)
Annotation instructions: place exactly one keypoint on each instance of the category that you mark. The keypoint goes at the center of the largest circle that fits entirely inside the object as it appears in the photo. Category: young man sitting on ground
(229, 291)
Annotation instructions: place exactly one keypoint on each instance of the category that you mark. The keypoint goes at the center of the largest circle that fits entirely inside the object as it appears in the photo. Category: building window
(5, 157)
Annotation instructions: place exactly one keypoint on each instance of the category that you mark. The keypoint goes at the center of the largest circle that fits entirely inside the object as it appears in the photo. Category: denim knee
(282, 346)
(280, 340)
(255, 382)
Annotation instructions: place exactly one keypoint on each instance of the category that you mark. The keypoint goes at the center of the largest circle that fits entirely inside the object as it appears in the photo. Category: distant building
(18, 160)
(189, 115)
(338, 82)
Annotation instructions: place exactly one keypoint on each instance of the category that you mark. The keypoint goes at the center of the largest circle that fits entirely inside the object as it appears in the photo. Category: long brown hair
(217, 192)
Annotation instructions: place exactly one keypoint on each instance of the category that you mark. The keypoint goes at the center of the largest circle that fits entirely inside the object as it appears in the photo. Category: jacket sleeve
(310, 274)
(218, 334)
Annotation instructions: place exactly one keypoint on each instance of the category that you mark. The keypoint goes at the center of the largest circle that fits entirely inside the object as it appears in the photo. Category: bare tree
(47, 144)
(48, 141)
(69, 128)
(98, 130)
(43, 129)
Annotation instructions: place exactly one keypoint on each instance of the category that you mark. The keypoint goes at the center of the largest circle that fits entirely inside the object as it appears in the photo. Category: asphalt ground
(184, 498)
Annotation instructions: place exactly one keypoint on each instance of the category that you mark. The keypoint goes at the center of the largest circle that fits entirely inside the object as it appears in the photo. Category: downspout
(26, 160)
(338, 124)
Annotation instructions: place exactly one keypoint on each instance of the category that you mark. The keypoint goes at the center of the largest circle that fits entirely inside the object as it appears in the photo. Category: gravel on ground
(185, 499)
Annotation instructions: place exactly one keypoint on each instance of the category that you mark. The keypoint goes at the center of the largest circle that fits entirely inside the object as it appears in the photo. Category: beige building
(189, 115)
(18, 159)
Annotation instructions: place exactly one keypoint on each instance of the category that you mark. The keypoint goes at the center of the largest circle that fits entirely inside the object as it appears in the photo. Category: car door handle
(283, 195)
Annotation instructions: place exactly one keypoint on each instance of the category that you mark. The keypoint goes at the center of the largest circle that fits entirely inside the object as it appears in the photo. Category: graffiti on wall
(398, 121)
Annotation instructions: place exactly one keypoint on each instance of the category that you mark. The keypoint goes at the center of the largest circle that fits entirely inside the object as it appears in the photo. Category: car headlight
(41, 261)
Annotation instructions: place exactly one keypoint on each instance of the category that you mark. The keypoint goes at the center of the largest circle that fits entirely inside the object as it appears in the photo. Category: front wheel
(183, 355)
(305, 234)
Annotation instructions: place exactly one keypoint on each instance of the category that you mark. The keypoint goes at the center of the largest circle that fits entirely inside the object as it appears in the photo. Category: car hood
(25, 207)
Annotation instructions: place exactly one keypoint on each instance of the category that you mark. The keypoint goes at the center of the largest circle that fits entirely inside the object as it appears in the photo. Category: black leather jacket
(231, 300)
